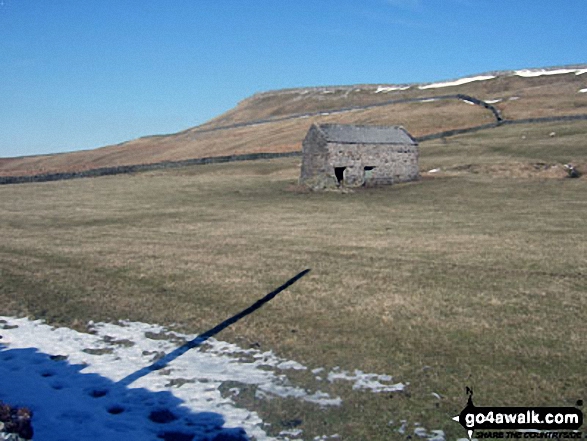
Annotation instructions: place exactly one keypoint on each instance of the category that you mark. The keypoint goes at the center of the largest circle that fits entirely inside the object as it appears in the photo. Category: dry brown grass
(557, 94)
(282, 136)
(471, 279)
(535, 97)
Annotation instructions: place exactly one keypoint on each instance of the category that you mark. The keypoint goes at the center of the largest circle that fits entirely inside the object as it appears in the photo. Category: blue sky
(80, 74)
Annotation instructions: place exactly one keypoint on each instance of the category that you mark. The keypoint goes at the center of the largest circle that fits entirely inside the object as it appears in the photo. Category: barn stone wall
(364, 164)
(316, 171)
(354, 156)
(373, 164)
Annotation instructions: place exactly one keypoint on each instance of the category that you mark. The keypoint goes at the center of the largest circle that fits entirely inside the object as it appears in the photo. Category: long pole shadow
(201, 338)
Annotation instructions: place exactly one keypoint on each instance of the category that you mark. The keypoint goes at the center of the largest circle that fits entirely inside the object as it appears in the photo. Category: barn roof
(356, 134)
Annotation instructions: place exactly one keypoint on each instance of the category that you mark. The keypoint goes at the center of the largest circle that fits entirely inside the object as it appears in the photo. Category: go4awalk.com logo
(521, 422)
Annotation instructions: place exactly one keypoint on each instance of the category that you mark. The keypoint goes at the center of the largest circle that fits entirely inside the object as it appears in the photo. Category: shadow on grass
(164, 361)
(70, 405)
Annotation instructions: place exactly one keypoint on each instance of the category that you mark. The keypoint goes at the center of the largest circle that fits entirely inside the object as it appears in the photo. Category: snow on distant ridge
(457, 82)
(386, 89)
(527, 73)
(583, 90)
(577, 69)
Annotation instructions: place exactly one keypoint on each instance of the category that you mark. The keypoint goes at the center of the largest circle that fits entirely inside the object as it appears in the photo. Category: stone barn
(354, 156)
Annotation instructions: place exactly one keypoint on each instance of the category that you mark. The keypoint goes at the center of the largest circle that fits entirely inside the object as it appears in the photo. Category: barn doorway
(368, 174)
(339, 173)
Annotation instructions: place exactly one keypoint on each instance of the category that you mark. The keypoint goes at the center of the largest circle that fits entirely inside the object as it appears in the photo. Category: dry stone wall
(368, 165)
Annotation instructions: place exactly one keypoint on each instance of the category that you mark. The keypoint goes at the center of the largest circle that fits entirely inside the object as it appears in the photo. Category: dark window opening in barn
(339, 173)
(368, 173)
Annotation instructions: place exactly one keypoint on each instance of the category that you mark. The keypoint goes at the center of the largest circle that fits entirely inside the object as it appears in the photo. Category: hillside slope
(277, 121)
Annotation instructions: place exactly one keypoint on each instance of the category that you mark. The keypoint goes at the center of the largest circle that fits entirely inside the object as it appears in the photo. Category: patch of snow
(420, 432)
(457, 82)
(365, 381)
(267, 390)
(81, 389)
(386, 89)
(290, 364)
(434, 170)
(234, 390)
(437, 435)
(469, 102)
(291, 432)
(326, 437)
(583, 90)
(82, 392)
(528, 73)
(493, 101)
(513, 98)
(428, 100)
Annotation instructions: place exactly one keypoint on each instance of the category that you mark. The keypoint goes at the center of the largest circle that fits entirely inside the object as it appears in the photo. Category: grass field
(460, 279)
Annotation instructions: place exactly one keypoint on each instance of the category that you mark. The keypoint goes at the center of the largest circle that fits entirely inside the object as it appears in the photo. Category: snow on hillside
(457, 82)
(527, 73)
(386, 89)
(71, 381)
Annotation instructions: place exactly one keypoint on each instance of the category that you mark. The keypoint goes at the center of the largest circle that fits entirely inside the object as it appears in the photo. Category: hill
(277, 121)
(474, 275)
